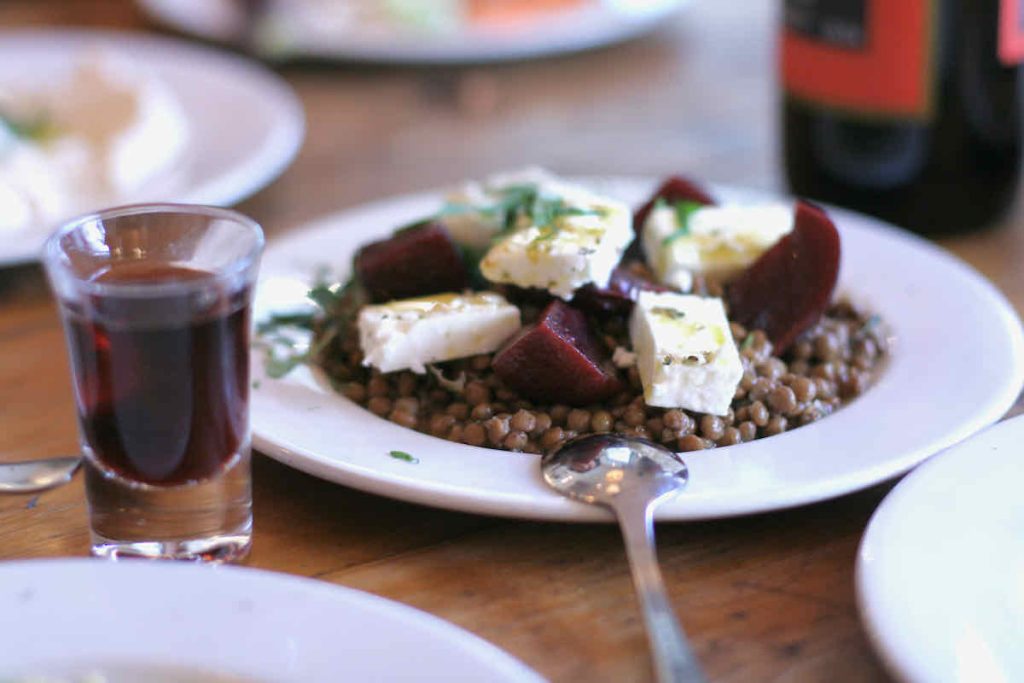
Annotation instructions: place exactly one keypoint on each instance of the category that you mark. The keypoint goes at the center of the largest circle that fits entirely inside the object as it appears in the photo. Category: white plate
(67, 617)
(246, 124)
(603, 23)
(958, 365)
(940, 573)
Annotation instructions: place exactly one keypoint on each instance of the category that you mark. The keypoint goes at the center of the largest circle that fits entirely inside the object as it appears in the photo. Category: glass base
(217, 550)
(204, 521)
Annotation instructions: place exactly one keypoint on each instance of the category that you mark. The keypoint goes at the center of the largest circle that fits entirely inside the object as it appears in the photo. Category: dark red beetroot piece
(623, 288)
(790, 286)
(417, 261)
(557, 360)
(675, 189)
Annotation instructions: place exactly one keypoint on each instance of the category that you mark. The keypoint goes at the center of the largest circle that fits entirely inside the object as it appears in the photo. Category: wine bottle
(905, 109)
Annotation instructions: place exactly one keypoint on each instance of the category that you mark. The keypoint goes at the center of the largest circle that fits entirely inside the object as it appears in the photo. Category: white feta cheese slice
(570, 238)
(720, 241)
(686, 356)
(410, 333)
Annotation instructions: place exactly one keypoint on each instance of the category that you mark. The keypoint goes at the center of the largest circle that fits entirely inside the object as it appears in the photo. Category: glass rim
(53, 255)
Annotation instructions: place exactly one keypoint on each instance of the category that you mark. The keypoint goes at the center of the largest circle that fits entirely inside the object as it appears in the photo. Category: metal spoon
(631, 476)
(37, 475)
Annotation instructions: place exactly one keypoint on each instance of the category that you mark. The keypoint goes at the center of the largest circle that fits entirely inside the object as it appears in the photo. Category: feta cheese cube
(686, 356)
(410, 333)
(720, 241)
(568, 237)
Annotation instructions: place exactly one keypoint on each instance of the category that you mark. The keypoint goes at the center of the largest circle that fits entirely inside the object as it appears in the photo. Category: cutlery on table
(37, 475)
(631, 477)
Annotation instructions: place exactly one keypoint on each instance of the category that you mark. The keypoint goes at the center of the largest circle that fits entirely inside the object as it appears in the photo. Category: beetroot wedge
(675, 189)
(618, 296)
(557, 360)
(417, 261)
(790, 286)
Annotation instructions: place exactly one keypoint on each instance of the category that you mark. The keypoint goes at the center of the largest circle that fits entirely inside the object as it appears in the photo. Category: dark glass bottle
(952, 165)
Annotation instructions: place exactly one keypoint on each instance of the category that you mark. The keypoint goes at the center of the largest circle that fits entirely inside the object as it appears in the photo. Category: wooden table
(768, 597)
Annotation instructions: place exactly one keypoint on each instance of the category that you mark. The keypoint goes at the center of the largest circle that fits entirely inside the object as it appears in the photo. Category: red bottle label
(1011, 32)
(861, 56)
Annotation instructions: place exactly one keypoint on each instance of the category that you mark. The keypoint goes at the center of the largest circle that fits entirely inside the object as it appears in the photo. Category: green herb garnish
(279, 320)
(668, 312)
(277, 367)
(403, 456)
(684, 210)
(748, 341)
(338, 305)
(517, 202)
(869, 326)
(37, 129)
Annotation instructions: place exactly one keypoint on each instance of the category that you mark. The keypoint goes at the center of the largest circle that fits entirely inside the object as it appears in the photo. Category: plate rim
(232, 185)
(559, 509)
(478, 51)
(879, 624)
(498, 660)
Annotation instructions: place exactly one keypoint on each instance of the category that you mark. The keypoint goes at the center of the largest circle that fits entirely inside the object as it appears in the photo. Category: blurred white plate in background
(940, 573)
(329, 29)
(134, 621)
(246, 124)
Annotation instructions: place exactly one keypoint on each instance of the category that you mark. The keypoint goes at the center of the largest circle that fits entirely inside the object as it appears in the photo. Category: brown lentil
(551, 438)
(804, 389)
(675, 419)
(377, 386)
(782, 400)
(408, 404)
(379, 405)
(515, 441)
(476, 393)
(403, 418)
(497, 429)
(474, 434)
(541, 424)
(440, 423)
(354, 392)
(523, 421)
(601, 421)
(691, 442)
(712, 427)
(559, 413)
(578, 419)
(748, 431)
(759, 414)
(458, 410)
(481, 411)
(634, 416)
(455, 433)
(406, 384)
(730, 437)
(776, 425)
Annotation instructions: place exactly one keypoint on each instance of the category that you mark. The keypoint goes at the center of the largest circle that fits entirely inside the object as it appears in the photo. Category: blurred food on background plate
(107, 134)
(432, 16)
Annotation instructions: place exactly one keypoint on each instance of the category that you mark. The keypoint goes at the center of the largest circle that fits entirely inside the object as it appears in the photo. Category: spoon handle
(673, 660)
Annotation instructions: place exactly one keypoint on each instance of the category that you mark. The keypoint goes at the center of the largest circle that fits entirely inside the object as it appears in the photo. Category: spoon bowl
(598, 468)
(37, 475)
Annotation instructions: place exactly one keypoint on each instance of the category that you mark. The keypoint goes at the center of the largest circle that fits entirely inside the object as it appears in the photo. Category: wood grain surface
(764, 598)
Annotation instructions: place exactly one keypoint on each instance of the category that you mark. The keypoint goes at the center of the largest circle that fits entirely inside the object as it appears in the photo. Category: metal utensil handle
(670, 652)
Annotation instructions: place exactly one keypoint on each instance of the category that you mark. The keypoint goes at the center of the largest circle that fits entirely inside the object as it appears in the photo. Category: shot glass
(155, 301)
